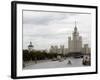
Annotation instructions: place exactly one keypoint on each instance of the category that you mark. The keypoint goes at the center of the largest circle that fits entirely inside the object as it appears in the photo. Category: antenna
(75, 23)
(75, 28)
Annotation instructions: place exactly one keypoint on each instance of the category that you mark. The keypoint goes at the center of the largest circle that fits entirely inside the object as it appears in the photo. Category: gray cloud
(49, 28)
(44, 18)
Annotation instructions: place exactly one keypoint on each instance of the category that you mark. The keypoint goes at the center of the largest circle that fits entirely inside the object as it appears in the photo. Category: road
(55, 64)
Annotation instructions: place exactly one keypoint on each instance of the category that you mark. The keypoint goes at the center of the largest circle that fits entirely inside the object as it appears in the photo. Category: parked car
(54, 59)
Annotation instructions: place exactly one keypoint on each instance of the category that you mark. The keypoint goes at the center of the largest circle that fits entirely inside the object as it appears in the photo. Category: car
(54, 59)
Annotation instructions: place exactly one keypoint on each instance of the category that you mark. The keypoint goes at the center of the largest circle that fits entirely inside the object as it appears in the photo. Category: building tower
(62, 49)
(30, 47)
(75, 44)
(75, 39)
(86, 49)
(69, 44)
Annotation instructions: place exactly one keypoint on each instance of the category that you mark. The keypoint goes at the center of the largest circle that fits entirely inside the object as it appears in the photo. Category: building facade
(86, 50)
(75, 43)
(58, 50)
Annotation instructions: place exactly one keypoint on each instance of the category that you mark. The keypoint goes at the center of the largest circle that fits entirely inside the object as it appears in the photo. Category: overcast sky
(44, 29)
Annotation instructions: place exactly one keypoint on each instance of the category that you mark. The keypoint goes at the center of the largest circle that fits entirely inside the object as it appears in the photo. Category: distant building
(86, 49)
(75, 43)
(65, 50)
(60, 50)
(53, 49)
(30, 47)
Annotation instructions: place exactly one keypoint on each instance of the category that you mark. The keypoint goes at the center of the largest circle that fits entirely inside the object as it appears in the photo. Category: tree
(26, 56)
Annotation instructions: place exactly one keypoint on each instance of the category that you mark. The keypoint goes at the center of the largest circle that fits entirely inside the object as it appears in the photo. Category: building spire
(30, 43)
(75, 23)
(75, 29)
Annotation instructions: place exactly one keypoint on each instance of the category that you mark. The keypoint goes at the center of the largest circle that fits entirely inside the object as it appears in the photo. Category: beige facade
(58, 50)
(75, 43)
(86, 49)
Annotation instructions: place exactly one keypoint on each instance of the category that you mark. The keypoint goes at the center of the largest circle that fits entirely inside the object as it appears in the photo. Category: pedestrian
(69, 62)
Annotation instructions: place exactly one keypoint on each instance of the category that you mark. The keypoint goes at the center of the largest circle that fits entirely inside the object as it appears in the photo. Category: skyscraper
(75, 43)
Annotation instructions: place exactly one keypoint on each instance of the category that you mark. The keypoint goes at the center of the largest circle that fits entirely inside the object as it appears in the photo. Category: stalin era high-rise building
(75, 43)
